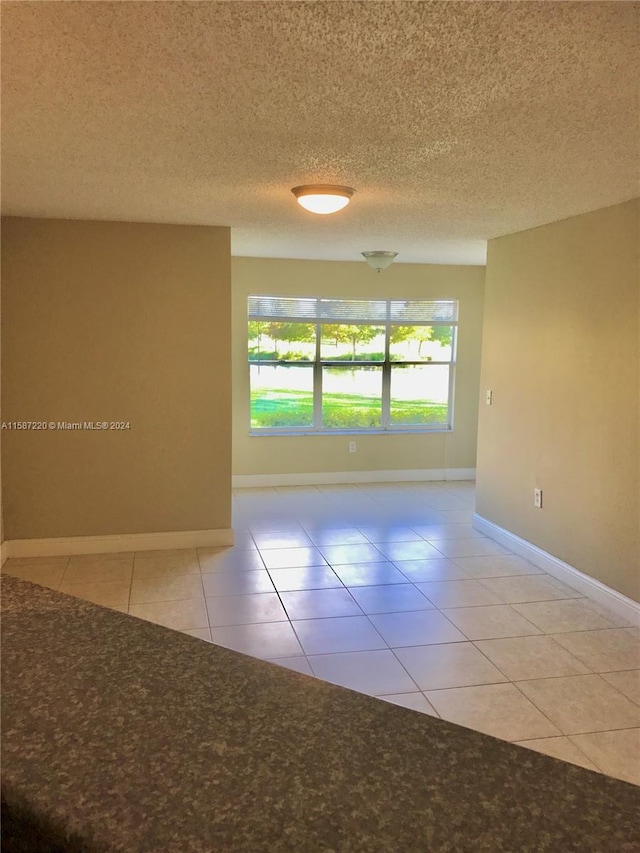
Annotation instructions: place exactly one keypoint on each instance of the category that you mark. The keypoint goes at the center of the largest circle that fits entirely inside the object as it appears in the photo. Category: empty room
(320, 447)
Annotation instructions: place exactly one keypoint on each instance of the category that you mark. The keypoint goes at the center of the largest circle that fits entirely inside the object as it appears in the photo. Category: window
(327, 365)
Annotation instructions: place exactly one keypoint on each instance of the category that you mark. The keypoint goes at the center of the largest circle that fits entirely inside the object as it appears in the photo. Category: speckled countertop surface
(137, 738)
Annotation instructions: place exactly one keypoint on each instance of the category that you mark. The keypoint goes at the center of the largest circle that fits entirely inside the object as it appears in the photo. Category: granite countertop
(120, 735)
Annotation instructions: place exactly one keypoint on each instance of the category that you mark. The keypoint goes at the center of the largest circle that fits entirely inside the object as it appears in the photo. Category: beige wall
(1, 511)
(115, 321)
(560, 352)
(337, 279)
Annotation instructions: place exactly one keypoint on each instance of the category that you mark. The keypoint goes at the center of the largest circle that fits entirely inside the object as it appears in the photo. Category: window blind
(351, 311)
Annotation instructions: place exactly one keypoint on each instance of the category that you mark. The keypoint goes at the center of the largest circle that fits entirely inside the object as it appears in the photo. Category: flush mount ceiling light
(379, 260)
(323, 198)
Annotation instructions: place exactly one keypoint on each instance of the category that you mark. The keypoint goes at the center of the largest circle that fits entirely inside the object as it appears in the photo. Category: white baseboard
(114, 544)
(595, 589)
(327, 478)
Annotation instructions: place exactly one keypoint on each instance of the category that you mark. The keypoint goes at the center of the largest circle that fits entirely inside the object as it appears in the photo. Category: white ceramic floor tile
(379, 490)
(628, 683)
(180, 615)
(416, 628)
(469, 547)
(391, 598)
(199, 633)
(273, 539)
(107, 593)
(92, 568)
(460, 516)
(603, 651)
(274, 524)
(616, 619)
(236, 583)
(292, 558)
(319, 604)
(45, 571)
(336, 518)
(414, 701)
(165, 588)
(337, 536)
(298, 664)
(527, 588)
(563, 616)
(157, 563)
(395, 551)
(497, 566)
(434, 532)
(419, 516)
(340, 634)
(337, 555)
(431, 570)
(370, 574)
(19, 566)
(487, 623)
(496, 709)
(225, 559)
(294, 524)
(462, 593)
(266, 640)
(245, 609)
(50, 577)
(446, 502)
(396, 533)
(375, 673)
(450, 665)
(332, 489)
(243, 540)
(559, 747)
(582, 703)
(526, 658)
(615, 753)
(310, 577)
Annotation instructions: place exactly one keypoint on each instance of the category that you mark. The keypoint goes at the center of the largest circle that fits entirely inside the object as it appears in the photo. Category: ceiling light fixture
(323, 198)
(379, 260)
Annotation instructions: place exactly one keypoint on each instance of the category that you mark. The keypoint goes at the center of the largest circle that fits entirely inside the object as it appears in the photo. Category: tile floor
(387, 589)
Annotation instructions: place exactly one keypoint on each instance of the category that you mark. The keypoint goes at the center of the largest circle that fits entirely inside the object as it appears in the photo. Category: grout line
(523, 743)
(204, 594)
(588, 757)
(393, 652)
(597, 732)
(557, 725)
(64, 571)
(133, 569)
(600, 675)
(468, 687)
(545, 715)
(297, 636)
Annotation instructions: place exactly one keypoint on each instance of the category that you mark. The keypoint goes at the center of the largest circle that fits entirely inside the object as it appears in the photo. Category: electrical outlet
(537, 498)
(352, 447)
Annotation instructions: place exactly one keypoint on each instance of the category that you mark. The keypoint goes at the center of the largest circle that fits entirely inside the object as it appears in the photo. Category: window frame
(318, 364)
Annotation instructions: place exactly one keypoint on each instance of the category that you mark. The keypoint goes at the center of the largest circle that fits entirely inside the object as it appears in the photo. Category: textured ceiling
(455, 122)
